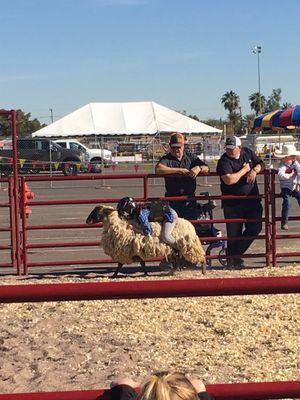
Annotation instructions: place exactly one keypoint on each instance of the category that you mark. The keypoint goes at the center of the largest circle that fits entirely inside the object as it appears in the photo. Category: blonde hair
(168, 386)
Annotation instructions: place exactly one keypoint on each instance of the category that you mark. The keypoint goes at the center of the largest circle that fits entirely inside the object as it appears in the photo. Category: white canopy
(134, 118)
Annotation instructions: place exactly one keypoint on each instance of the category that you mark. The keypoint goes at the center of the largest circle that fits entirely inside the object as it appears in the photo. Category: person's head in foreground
(176, 144)
(169, 386)
(233, 146)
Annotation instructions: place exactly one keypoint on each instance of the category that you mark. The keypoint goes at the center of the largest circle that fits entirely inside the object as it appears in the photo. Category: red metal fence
(237, 391)
(20, 226)
(9, 228)
(149, 289)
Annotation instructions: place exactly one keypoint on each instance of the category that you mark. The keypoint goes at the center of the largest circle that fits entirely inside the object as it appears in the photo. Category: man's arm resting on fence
(231, 179)
(162, 169)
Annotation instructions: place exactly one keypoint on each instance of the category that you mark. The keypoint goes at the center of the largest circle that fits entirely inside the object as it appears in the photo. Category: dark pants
(242, 210)
(287, 195)
(186, 209)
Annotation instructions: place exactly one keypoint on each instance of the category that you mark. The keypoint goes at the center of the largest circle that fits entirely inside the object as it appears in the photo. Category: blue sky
(184, 54)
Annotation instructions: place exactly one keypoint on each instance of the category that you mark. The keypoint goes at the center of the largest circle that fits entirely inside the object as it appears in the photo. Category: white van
(98, 157)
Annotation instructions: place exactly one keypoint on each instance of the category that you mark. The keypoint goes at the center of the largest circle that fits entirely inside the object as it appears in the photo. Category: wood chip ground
(84, 345)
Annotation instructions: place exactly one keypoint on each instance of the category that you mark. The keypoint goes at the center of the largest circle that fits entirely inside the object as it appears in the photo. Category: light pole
(51, 115)
(257, 50)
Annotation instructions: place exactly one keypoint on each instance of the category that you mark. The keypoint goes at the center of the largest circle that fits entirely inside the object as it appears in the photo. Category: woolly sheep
(124, 245)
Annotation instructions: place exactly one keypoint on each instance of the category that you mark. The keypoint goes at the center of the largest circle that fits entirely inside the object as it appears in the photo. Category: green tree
(248, 122)
(195, 117)
(217, 123)
(273, 102)
(25, 125)
(255, 104)
(231, 102)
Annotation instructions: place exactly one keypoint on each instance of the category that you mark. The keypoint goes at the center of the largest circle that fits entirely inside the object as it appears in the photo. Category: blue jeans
(287, 195)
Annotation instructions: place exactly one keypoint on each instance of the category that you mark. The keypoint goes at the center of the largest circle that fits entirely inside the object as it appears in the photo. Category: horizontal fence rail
(149, 289)
(233, 391)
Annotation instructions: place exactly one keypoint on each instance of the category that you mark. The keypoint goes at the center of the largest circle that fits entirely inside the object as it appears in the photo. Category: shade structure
(278, 119)
(275, 120)
(290, 116)
(131, 118)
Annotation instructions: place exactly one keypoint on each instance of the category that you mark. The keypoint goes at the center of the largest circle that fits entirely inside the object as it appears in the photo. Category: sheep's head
(98, 214)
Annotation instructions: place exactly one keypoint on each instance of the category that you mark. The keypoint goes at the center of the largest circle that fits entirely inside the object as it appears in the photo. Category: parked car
(37, 154)
(97, 157)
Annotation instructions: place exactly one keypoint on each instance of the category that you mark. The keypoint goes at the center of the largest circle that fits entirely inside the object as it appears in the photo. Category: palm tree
(255, 104)
(286, 105)
(231, 102)
(248, 121)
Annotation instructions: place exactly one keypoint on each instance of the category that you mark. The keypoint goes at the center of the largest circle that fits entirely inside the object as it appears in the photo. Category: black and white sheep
(124, 245)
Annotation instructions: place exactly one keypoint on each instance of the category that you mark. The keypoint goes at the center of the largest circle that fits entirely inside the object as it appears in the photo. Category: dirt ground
(84, 345)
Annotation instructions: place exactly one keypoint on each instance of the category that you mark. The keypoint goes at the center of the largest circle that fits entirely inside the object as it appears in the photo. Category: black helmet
(126, 206)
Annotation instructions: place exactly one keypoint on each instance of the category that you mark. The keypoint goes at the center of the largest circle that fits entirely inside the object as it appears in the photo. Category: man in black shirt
(188, 165)
(237, 169)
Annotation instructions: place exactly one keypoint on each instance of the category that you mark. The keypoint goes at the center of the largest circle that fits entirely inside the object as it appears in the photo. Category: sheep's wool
(123, 244)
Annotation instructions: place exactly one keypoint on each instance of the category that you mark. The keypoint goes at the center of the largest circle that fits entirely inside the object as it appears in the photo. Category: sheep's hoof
(115, 274)
(204, 268)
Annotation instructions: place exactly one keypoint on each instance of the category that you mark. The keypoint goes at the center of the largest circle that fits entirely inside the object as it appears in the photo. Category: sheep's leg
(143, 265)
(114, 275)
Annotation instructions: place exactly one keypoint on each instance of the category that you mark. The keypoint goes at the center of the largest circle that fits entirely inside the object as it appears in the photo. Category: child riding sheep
(144, 213)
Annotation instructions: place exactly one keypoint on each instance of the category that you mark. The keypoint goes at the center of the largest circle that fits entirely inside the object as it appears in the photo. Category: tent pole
(50, 159)
(102, 161)
(153, 161)
(204, 157)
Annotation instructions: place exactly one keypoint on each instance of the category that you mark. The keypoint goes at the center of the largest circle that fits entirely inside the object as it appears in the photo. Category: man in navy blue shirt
(238, 168)
(188, 166)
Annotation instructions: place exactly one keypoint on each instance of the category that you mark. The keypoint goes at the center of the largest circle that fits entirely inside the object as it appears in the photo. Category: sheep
(124, 245)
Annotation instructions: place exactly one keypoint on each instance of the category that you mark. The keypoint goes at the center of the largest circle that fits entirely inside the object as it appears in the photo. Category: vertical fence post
(146, 187)
(267, 216)
(12, 221)
(273, 211)
(23, 204)
(16, 190)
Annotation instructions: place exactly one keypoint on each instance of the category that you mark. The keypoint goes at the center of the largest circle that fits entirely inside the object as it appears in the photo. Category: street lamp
(51, 115)
(257, 50)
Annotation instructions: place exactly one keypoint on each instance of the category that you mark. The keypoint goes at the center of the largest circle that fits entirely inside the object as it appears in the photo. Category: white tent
(134, 118)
